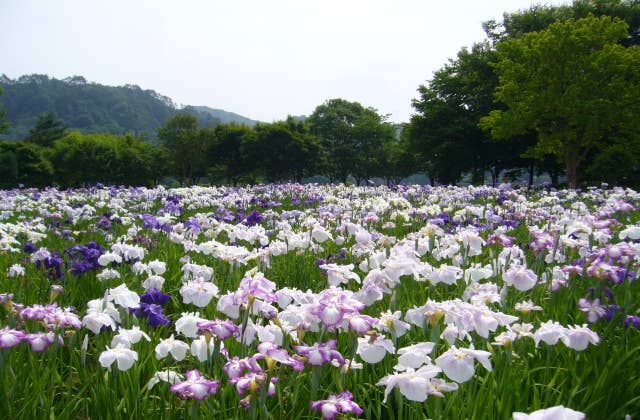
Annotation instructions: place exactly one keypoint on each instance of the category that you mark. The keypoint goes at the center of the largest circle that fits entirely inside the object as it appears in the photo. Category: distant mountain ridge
(225, 117)
(95, 108)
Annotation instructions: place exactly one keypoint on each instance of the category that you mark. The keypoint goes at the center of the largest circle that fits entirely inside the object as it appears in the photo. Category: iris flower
(458, 364)
(177, 348)
(553, 413)
(195, 386)
(10, 338)
(415, 385)
(123, 356)
(341, 403)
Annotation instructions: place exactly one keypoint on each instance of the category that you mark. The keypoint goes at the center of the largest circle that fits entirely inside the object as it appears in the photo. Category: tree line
(340, 139)
(552, 89)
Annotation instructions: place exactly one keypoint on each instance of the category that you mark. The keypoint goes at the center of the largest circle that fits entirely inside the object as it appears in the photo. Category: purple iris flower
(632, 321)
(29, 248)
(253, 218)
(150, 221)
(224, 214)
(84, 258)
(610, 312)
(193, 224)
(153, 314)
(52, 265)
(41, 341)
(104, 223)
(154, 296)
(171, 208)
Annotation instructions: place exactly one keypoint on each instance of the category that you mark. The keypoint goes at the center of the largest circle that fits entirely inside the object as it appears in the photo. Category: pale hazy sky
(260, 58)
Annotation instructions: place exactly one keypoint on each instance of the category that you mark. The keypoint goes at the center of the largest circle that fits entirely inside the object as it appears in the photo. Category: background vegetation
(551, 90)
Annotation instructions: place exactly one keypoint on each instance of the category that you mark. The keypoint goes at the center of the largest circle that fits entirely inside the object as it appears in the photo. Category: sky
(264, 59)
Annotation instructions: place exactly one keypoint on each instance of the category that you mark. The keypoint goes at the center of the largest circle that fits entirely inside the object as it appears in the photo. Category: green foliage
(616, 163)
(443, 134)
(181, 138)
(82, 159)
(446, 121)
(352, 138)
(571, 83)
(540, 17)
(233, 153)
(22, 163)
(397, 161)
(287, 150)
(89, 107)
(47, 130)
(221, 116)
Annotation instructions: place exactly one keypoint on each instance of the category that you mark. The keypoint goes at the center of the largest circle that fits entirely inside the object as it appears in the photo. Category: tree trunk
(531, 173)
(571, 162)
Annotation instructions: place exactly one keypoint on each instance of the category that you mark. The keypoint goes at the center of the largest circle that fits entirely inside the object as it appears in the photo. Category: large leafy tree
(444, 131)
(539, 17)
(437, 138)
(181, 138)
(83, 159)
(22, 163)
(287, 150)
(572, 84)
(352, 138)
(397, 160)
(47, 130)
(233, 153)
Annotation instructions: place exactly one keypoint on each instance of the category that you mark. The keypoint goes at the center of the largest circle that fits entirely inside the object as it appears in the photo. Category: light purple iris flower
(254, 381)
(195, 386)
(341, 403)
(221, 329)
(320, 353)
(10, 338)
(334, 304)
(41, 341)
(257, 286)
(236, 367)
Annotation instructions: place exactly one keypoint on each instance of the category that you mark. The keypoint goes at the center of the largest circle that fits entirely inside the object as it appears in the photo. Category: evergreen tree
(47, 130)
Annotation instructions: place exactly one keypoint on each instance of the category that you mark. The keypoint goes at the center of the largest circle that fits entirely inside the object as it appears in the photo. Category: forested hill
(94, 108)
(225, 116)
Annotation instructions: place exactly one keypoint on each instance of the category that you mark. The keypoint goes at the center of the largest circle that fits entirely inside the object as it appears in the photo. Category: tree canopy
(287, 150)
(47, 130)
(571, 83)
(181, 138)
(352, 138)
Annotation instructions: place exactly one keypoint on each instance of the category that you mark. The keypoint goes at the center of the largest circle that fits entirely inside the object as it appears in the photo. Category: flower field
(307, 301)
